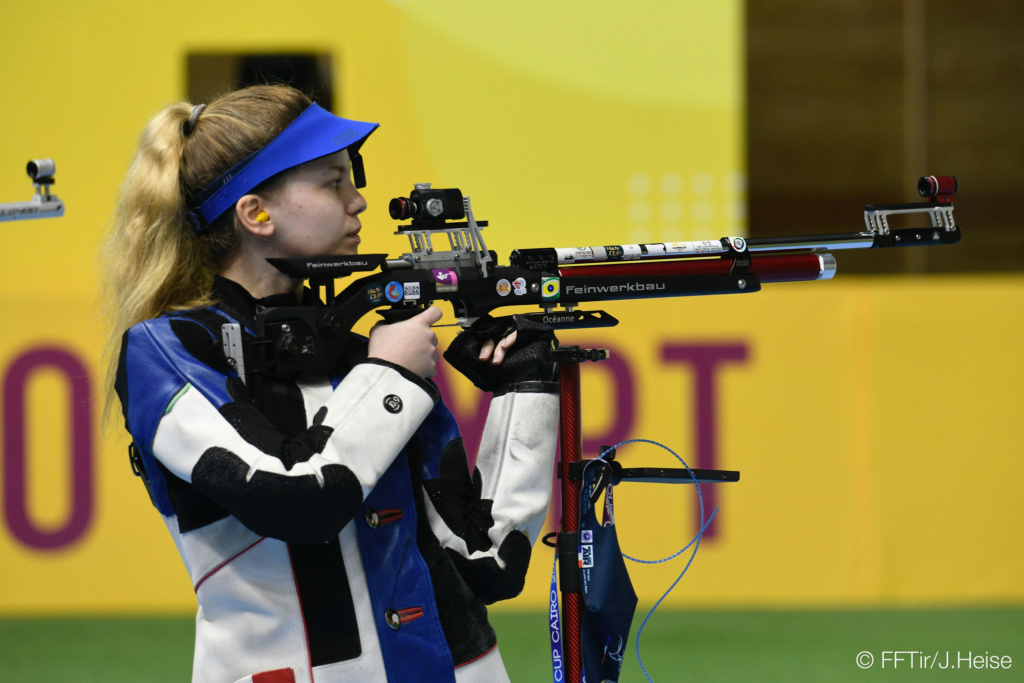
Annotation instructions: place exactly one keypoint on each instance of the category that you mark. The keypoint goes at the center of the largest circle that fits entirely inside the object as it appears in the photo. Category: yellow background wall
(874, 421)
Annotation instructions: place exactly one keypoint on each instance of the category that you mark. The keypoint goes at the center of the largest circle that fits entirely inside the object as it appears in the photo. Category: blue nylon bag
(609, 600)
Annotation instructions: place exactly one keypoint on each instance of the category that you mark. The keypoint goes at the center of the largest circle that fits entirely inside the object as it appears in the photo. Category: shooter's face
(316, 211)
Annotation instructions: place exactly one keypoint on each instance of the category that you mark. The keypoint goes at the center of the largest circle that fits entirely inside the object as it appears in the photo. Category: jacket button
(372, 518)
(392, 619)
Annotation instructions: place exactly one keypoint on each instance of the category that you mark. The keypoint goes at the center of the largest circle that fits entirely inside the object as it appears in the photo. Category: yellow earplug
(262, 217)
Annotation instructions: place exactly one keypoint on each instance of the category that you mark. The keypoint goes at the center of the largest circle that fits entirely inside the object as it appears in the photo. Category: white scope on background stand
(43, 204)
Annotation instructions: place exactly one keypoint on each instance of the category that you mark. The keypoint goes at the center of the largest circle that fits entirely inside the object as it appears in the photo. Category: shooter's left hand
(495, 351)
(515, 347)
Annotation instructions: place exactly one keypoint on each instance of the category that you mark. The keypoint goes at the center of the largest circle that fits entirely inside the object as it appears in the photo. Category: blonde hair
(153, 260)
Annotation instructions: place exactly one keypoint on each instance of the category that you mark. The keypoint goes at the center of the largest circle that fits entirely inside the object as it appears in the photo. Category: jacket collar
(243, 306)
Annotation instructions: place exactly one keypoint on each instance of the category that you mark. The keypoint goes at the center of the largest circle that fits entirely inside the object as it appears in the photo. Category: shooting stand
(570, 471)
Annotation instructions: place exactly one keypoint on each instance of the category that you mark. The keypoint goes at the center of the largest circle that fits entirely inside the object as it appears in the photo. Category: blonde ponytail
(153, 259)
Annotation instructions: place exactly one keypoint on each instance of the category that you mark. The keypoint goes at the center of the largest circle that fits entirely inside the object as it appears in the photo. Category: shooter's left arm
(488, 522)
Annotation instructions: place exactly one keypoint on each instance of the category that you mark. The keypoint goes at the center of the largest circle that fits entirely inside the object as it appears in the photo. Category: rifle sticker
(573, 254)
(412, 291)
(394, 292)
(613, 252)
(738, 243)
(632, 252)
(679, 247)
(504, 287)
(699, 247)
(519, 286)
(375, 294)
(708, 247)
(549, 288)
(446, 279)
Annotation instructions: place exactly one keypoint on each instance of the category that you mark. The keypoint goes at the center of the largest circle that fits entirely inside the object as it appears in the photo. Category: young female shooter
(332, 529)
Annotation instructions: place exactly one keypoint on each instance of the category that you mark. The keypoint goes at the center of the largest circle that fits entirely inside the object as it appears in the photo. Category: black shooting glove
(525, 367)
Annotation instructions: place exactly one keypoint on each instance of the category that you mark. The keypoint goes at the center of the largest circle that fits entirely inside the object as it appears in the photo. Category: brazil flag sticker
(549, 287)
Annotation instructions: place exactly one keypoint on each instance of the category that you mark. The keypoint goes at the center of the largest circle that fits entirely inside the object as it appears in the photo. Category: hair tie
(190, 125)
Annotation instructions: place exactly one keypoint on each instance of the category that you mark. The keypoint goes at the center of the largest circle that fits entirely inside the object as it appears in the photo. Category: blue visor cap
(316, 133)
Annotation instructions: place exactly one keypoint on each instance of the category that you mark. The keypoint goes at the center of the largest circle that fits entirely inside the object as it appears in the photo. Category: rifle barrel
(772, 268)
(850, 240)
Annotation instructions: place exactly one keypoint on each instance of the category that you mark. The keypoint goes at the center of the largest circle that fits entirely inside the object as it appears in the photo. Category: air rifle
(306, 341)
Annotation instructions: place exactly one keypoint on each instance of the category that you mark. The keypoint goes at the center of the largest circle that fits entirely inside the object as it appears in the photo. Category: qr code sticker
(586, 556)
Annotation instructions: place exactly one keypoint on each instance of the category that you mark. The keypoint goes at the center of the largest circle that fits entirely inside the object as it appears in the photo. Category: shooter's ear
(253, 217)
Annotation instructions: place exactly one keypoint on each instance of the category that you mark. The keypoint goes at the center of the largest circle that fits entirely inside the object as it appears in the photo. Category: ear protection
(262, 217)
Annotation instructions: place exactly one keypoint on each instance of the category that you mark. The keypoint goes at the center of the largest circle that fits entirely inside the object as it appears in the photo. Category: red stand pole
(570, 441)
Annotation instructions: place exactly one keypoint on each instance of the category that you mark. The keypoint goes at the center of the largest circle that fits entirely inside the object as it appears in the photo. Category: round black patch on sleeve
(392, 404)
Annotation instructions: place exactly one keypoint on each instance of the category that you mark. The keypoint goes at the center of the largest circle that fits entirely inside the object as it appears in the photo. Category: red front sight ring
(940, 188)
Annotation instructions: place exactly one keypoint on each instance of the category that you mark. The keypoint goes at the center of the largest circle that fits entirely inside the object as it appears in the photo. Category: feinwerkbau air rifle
(306, 341)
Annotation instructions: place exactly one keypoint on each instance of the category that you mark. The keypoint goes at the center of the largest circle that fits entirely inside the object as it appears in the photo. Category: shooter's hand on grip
(409, 343)
(519, 348)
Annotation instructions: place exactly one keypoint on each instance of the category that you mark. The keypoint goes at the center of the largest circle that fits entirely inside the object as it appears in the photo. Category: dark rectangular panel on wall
(209, 74)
